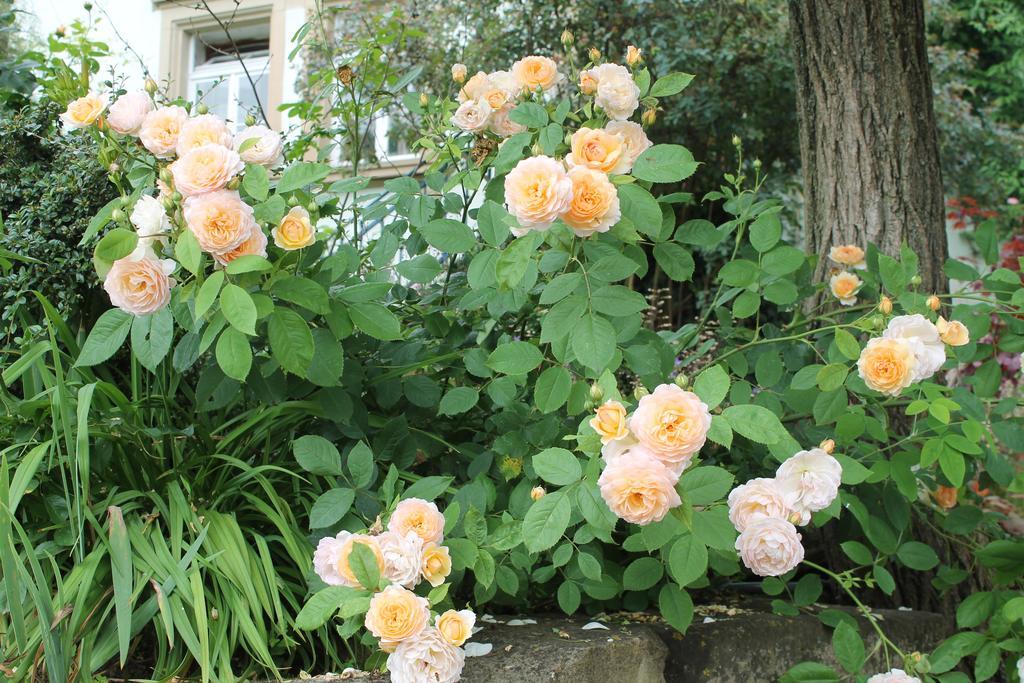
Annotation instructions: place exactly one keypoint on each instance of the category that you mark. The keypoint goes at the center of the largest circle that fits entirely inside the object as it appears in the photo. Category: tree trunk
(868, 138)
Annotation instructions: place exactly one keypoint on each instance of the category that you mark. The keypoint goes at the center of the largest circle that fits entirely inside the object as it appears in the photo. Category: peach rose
(598, 149)
(894, 676)
(617, 94)
(760, 499)
(205, 129)
(537, 192)
(634, 55)
(924, 339)
(458, 72)
(140, 284)
(887, 365)
(456, 626)
(952, 332)
(672, 422)
(472, 115)
(770, 547)
(501, 125)
(474, 88)
(588, 82)
(160, 129)
(258, 145)
(638, 488)
(535, 72)
(419, 516)
(255, 245)
(610, 421)
(844, 287)
(84, 111)
(634, 142)
(595, 203)
(295, 230)
(396, 614)
(403, 557)
(848, 255)
(220, 220)
(127, 113)
(809, 480)
(437, 564)
(428, 657)
(205, 169)
(344, 569)
(537, 492)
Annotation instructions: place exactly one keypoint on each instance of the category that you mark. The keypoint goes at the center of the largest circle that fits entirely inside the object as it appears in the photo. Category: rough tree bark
(868, 137)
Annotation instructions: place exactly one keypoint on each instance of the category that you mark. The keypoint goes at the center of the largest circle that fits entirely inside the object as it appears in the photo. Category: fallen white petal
(520, 622)
(478, 649)
(709, 620)
(594, 625)
(489, 619)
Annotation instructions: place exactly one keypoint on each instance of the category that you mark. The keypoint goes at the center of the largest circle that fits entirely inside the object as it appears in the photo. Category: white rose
(264, 151)
(636, 142)
(617, 94)
(149, 217)
(472, 115)
(326, 558)
(426, 658)
(894, 676)
(760, 499)
(127, 114)
(929, 349)
(770, 547)
(501, 125)
(810, 480)
(403, 557)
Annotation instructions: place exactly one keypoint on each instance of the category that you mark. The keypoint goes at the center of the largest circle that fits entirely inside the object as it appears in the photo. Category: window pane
(215, 95)
(246, 98)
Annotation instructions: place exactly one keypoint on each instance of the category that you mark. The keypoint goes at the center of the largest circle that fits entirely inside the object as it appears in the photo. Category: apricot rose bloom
(474, 87)
(610, 421)
(844, 287)
(160, 129)
(635, 141)
(455, 626)
(887, 365)
(598, 149)
(638, 488)
(220, 221)
(472, 115)
(403, 557)
(617, 94)
(595, 203)
(205, 169)
(205, 129)
(428, 657)
(672, 422)
(952, 332)
(295, 230)
(255, 245)
(84, 111)
(126, 114)
(437, 564)
(894, 676)
(259, 145)
(588, 82)
(848, 255)
(140, 284)
(537, 191)
(809, 480)
(535, 72)
(759, 499)
(458, 72)
(770, 546)
(396, 614)
(419, 516)
(924, 339)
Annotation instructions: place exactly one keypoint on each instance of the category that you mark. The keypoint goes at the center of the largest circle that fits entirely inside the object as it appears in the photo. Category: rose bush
(482, 418)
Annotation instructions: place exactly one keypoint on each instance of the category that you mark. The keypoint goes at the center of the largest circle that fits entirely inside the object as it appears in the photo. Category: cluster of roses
(408, 552)
(911, 349)
(577, 189)
(198, 160)
(646, 452)
(844, 283)
(766, 511)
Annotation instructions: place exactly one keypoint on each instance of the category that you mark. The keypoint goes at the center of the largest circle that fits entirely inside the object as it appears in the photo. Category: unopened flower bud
(649, 117)
(596, 393)
(588, 405)
(682, 381)
(168, 204)
(594, 55)
(633, 55)
(166, 175)
(151, 86)
(921, 663)
(176, 197)
(202, 109)
(877, 322)
(828, 445)
(537, 492)
(114, 167)
(757, 163)
(424, 100)
(87, 6)
(250, 120)
(567, 37)
(234, 183)
(916, 280)
(640, 392)
(933, 302)
(117, 215)
(885, 305)
(736, 141)
(293, 201)
(61, 30)
(537, 150)
(459, 73)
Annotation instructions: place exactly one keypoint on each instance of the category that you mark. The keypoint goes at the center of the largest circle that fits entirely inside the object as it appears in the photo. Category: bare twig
(238, 56)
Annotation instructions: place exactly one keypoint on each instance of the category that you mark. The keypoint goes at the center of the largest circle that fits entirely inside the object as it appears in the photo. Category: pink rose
(206, 129)
(809, 480)
(129, 111)
(770, 547)
(140, 284)
(160, 129)
(420, 517)
(205, 169)
(760, 499)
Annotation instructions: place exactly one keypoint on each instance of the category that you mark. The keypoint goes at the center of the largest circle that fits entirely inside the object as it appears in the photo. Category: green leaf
(234, 355)
(712, 385)
(618, 301)
(419, 269)
(256, 182)
(557, 466)
(317, 455)
(330, 507)
(670, 84)
(493, 222)
(705, 485)
(360, 465)
(151, 337)
(765, 232)
(121, 575)
(514, 259)
(187, 251)
(208, 292)
(568, 597)
(116, 244)
(642, 573)
(515, 358)
(238, 308)
(593, 342)
(917, 556)
(302, 292)
(458, 400)
(676, 607)
(810, 672)
(893, 277)
(756, 423)
(428, 488)
(783, 260)
(674, 260)
(550, 138)
(953, 466)
(688, 559)
(975, 609)
(847, 344)
(376, 320)
(546, 521)
(552, 389)
(321, 606)
(105, 338)
(640, 207)
(446, 234)
(302, 174)
(529, 114)
(832, 376)
(664, 164)
(291, 341)
(363, 562)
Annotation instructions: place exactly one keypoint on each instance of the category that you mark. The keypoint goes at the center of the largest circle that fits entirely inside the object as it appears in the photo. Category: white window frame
(231, 74)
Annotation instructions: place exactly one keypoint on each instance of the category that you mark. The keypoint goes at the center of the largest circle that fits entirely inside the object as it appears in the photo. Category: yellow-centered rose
(847, 255)
(536, 72)
(887, 364)
(437, 564)
(455, 626)
(610, 421)
(598, 149)
(594, 206)
(952, 332)
(345, 552)
(396, 614)
(844, 287)
(84, 111)
(295, 230)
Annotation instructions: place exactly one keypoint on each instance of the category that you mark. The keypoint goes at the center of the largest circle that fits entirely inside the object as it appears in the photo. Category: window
(218, 78)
